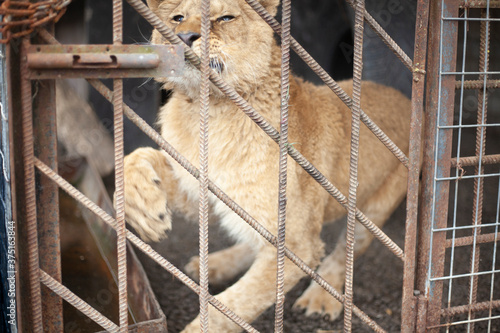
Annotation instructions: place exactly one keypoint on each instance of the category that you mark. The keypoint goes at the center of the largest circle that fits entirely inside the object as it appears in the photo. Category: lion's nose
(189, 37)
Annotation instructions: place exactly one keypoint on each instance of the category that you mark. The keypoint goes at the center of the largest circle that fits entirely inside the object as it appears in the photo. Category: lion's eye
(178, 18)
(225, 18)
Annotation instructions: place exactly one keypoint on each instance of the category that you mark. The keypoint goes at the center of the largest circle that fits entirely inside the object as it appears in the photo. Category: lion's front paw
(145, 196)
(316, 300)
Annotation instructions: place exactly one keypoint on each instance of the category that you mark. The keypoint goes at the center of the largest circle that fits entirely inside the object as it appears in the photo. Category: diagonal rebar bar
(77, 302)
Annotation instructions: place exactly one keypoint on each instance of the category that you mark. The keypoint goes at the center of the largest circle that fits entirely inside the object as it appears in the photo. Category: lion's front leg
(148, 181)
(256, 290)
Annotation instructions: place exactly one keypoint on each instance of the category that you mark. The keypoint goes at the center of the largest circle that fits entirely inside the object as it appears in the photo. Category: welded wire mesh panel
(462, 271)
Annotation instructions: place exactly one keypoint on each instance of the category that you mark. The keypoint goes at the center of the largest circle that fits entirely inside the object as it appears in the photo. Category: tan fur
(243, 161)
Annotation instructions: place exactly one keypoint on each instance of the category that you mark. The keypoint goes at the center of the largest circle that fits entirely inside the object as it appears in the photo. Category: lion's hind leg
(223, 265)
(378, 209)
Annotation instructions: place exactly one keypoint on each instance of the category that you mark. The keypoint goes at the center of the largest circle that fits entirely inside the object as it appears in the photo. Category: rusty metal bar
(470, 240)
(408, 309)
(203, 179)
(148, 130)
(30, 193)
(437, 153)
(272, 132)
(480, 149)
(283, 155)
(474, 160)
(140, 244)
(120, 204)
(480, 4)
(45, 132)
(77, 302)
(327, 79)
(477, 84)
(121, 239)
(476, 307)
(353, 165)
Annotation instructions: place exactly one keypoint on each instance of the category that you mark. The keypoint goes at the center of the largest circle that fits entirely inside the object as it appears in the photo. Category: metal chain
(28, 16)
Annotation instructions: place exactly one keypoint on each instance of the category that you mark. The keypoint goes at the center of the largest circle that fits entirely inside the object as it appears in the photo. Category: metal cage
(431, 272)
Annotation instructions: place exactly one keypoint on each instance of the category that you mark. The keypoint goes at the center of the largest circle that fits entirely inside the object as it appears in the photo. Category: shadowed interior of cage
(348, 202)
(466, 266)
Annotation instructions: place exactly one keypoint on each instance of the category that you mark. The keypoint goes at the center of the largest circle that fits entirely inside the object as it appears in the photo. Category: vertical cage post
(477, 214)
(119, 172)
(353, 166)
(30, 195)
(203, 179)
(409, 301)
(283, 156)
(437, 152)
(45, 131)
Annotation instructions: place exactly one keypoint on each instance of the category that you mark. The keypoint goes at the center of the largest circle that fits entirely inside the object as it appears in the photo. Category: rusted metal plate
(104, 61)
(145, 314)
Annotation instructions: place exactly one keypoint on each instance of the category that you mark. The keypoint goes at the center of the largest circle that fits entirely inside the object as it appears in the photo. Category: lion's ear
(270, 5)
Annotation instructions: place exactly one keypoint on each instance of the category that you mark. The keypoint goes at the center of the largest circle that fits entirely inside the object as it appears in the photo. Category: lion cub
(243, 161)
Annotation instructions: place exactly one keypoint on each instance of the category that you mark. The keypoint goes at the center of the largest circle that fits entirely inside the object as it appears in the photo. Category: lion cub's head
(240, 41)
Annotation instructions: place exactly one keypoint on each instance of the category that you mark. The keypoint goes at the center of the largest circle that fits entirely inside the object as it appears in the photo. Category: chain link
(26, 16)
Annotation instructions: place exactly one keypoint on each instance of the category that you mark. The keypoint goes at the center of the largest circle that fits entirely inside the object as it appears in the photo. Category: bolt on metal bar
(283, 155)
(119, 176)
(77, 302)
(353, 166)
(203, 179)
(140, 244)
(30, 193)
(268, 129)
(409, 304)
(330, 82)
(158, 139)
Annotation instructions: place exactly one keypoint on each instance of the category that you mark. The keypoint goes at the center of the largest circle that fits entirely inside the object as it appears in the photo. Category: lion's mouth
(216, 65)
